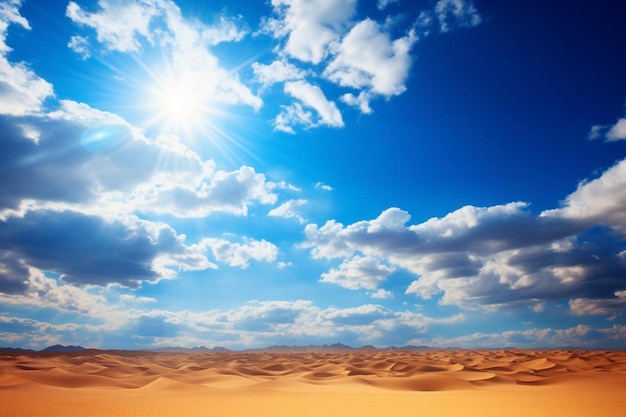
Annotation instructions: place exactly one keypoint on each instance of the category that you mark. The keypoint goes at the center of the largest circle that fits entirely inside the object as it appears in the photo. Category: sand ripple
(394, 370)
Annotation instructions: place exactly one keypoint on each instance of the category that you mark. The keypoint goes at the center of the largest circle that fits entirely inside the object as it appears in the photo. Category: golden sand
(369, 383)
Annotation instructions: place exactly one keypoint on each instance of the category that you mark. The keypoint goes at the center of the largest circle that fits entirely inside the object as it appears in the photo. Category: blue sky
(245, 174)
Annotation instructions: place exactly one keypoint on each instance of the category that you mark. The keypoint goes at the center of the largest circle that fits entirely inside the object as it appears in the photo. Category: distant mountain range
(61, 348)
(336, 347)
(332, 348)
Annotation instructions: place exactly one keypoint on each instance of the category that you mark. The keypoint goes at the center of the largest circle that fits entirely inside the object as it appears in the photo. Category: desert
(362, 383)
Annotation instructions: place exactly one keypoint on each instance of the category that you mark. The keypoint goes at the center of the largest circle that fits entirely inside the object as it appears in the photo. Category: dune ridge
(89, 377)
(394, 370)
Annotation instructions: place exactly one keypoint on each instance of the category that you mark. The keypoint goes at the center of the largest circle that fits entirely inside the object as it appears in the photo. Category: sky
(449, 173)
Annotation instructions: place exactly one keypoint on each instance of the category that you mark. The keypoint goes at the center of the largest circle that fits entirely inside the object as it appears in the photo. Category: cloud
(22, 91)
(322, 186)
(48, 293)
(10, 14)
(580, 336)
(324, 40)
(313, 97)
(382, 4)
(456, 13)
(85, 157)
(80, 45)
(90, 250)
(609, 132)
(492, 257)
(226, 29)
(381, 294)
(237, 254)
(599, 306)
(368, 59)
(277, 71)
(601, 201)
(118, 23)
(358, 272)
(289, 210)
(617, 131)
(223, 191)
(311, 27)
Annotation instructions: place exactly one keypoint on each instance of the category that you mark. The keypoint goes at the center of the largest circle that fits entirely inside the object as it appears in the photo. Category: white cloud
(222, 191)
(289, 210)
(45, 292)
(322, 186)
(617, 131)
(133, 299)
(359, 272)
(382, 4)
(277, 71)
(238, 254)
(579, 335)
(311, 26)
(609, 132)
(10, 14)
(22, 91)
(456, 13)
(80, 45)
(313, 97)
(599, 201)
(227, 29)
(368, 58)
(599, 306)
(118, 23)
(498, 256)
(381, 294)
(361, 56)
(362, 101)
(292, 115)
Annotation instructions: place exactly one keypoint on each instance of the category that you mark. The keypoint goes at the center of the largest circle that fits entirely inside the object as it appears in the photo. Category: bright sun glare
(178, 103)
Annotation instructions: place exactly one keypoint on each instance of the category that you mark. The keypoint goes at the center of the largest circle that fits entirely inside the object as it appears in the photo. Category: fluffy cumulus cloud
(91, 250)
(368, 59)
(118, 24)
(240, 254)
(360, 56)
(489, 257)
(358, 272)
(310, 96)
(290, 210)
(310, 26)
(277, 71)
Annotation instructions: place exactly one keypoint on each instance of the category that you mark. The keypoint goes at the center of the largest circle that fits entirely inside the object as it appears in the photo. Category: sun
(180, 102)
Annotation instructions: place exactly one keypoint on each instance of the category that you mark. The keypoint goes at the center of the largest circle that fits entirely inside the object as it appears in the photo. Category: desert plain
(507, 382)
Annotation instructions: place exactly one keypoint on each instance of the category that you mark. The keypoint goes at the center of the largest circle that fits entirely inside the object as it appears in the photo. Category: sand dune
(395, 383)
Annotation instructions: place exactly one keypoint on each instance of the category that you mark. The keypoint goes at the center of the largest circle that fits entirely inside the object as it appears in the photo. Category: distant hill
(197, 349)
(61, 348)
(13, 351)
(332, 348)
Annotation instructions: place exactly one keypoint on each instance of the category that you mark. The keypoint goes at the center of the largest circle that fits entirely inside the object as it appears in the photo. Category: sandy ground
(372, 383)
